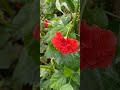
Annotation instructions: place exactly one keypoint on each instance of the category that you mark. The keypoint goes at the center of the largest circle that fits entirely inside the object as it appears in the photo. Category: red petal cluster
(97, 46)
(36, 32)
(46, 23)
(64, 45)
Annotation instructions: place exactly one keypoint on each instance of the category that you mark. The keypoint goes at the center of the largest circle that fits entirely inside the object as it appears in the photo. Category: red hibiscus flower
(97, 46)
(46, 23)
(36, 32)
(64, 45)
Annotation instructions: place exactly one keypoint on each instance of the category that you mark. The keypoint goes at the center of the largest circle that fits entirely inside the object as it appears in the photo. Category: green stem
(43, 62)
(67, 32)
(67, 27)
(52, 62)
(70, 79)
(113, 15)
(43, 66)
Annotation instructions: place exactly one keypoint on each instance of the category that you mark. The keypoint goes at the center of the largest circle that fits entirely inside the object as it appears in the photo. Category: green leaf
(99, 17)
(26, 25)
(74, 79)
(67, 72)
(26, 19)
(43, 47)
(78, 71)
(43, 72)
(50, 51)
(33, 49)
(57, 81)
(58, 5)
(65, 5)
(71, 61)
(66, 19)
(26, 71)
(67, 87)
(72, 35)
(70, 5)
(47, 38)
(45, 84)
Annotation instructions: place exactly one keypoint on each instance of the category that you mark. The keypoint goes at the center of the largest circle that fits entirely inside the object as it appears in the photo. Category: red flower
(36, 32)
(97, 47)
(64, 45)
(46, 23)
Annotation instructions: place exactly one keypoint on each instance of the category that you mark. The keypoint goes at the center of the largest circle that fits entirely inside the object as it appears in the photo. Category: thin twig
(113, 15)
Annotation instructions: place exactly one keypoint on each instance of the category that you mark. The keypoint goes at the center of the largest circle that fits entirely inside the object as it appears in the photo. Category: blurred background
(19, 67)
(105, 14)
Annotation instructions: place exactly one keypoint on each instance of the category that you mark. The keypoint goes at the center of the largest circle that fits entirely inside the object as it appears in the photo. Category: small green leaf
(74, 79)
(57, 81)
(78, 71)
(73, 35)
(50, 51)
(44, 84)
(70, 5)
(43, 72)
(66, 6)
(58, 5)
(67, 72)
(67, 87)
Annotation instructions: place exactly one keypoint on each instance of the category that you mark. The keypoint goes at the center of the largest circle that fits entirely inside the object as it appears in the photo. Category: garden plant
(59, 45)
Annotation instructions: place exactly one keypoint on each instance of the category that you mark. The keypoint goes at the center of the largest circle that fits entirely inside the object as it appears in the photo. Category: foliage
(59, 71)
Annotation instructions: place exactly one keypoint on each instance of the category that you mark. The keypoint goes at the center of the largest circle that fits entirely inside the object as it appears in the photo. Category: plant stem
(113, 15)
(43, 62)
(67, 32)
(70, 79)
(52, 62)
(68, 28)
(43, 66)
